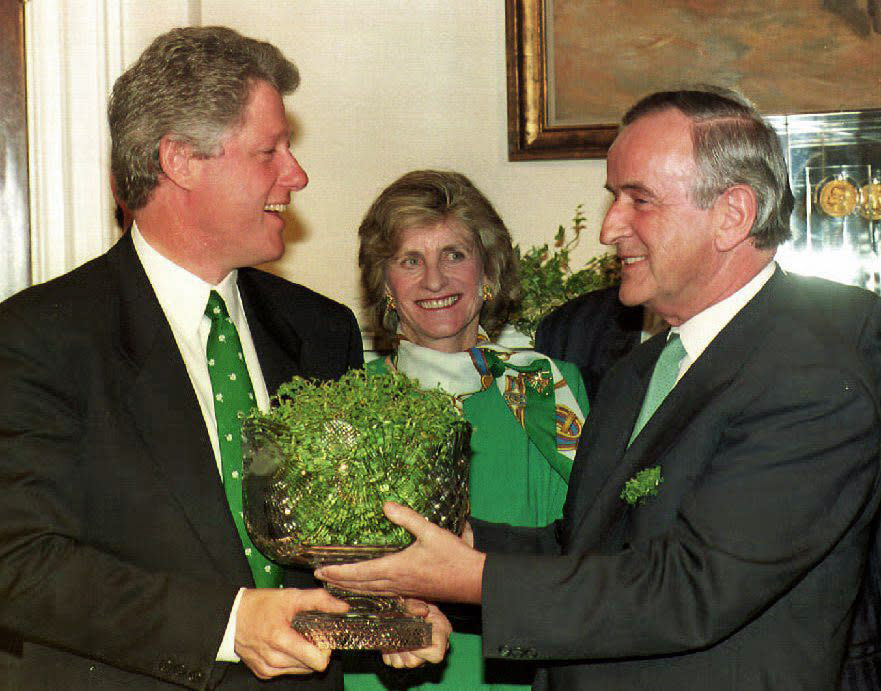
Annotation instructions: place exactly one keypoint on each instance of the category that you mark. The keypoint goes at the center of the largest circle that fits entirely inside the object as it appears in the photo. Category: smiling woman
(435, 280)
(435, 227)
(439, 276)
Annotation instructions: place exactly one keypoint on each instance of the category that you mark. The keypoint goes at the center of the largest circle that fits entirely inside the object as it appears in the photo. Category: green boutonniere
(644, 484)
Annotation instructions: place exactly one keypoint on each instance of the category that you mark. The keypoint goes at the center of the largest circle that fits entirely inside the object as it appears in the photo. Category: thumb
(416, 608)
(407, 518)
(320, 599)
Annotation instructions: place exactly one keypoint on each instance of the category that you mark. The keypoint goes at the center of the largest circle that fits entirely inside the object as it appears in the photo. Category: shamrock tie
(233, 394)
(663, 378)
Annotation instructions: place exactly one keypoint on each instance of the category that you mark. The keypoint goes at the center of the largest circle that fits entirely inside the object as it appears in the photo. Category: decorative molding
(74, 53)
(15, 270)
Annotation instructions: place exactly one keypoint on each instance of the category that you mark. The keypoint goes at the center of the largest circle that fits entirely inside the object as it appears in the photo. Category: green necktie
(663, 378)
(233, 394)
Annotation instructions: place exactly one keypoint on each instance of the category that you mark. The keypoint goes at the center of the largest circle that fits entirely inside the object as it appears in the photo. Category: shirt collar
(181, 294)
(699, 331)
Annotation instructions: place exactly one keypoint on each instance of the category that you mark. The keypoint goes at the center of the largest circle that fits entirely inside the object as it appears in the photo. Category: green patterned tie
(233, 394)
(663, 378)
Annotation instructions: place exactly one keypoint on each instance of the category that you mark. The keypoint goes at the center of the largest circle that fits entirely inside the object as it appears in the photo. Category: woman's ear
(736, 210)
(178, 162)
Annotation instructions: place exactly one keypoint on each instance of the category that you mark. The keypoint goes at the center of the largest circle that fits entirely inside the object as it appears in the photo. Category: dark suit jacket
(742, 573)
(862, 663)
(119, 560)
(594, 331)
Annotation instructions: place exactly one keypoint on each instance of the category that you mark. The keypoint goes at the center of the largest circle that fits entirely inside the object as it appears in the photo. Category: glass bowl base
(386, 631)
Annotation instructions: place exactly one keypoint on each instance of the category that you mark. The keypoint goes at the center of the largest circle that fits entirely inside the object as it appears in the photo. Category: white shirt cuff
(227, 652)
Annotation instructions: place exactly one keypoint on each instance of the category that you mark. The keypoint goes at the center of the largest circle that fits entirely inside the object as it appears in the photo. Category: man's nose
(292, 174)
(614, 225)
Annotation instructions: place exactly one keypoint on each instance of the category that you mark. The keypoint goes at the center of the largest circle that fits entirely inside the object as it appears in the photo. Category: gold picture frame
(529, 134)
(575, 66)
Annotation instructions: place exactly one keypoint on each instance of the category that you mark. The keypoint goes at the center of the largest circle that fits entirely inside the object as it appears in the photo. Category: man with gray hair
(124, 562)
(724, 493)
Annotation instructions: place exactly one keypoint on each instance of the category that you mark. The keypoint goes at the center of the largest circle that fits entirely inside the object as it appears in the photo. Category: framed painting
(575, 66)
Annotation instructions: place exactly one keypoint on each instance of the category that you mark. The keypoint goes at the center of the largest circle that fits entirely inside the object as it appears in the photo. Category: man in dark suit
(123, 563)
(715, 533)
(594, 331)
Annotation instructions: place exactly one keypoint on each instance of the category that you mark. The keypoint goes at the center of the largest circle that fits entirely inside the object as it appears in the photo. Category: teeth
(631, 260)
(438, 304)
(275, 207)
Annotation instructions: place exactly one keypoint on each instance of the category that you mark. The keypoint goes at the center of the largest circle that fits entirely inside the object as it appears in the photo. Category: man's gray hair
(193, 84)
(732, 145)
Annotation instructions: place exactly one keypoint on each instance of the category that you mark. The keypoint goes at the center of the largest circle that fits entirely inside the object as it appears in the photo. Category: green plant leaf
(347, 446)
(547, 279)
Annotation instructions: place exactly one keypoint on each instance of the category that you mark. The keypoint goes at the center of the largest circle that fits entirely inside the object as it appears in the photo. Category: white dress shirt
(699, 331)
(183, 297)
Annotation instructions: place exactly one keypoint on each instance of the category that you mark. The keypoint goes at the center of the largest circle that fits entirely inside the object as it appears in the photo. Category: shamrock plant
(345, 447)
(548, 280)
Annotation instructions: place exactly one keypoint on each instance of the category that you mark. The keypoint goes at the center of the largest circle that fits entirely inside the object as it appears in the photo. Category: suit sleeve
(498, 537)
(355, 356)
(790, 474)
(57, 585)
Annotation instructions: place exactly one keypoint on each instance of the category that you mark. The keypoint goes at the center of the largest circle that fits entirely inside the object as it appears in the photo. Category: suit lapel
(708, 376)
(167, 415)
(278, 346)
(603, 449)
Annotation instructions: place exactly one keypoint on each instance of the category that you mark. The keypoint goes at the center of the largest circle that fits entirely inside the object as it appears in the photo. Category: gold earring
(390, 304)
(487, 292)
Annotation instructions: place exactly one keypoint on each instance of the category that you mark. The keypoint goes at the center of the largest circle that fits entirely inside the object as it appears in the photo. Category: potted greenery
(548, 280)
(318, 467)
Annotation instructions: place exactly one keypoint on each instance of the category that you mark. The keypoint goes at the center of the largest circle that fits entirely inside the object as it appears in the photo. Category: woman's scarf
(530, 384)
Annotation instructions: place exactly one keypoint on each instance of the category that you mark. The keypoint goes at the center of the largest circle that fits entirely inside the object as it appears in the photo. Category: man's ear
(178, 162)
(736, 214)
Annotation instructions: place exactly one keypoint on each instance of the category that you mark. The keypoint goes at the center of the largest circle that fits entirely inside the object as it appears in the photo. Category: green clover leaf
(644, 484)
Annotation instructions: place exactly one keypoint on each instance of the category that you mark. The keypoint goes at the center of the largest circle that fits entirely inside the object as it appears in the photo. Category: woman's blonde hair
(425, 198)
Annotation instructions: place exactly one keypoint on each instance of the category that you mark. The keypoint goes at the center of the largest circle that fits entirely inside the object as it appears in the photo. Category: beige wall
(389, 86)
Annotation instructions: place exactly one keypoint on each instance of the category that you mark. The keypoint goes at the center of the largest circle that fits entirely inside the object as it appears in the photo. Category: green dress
(511, 482)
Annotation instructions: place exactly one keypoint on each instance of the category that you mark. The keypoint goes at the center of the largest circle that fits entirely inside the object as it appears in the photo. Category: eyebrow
(632, 187)
(446, 248)
(279, 134)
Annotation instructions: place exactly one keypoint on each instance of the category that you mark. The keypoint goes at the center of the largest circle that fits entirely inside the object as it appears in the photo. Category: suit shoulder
(824, 293)
(587, 322)
(832, 308)
(279, 290)
(73, 294)
(590, 303)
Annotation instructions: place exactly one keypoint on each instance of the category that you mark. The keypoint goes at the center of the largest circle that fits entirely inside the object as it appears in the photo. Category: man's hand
(437, 567)
(440, 638)
(265, 640)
